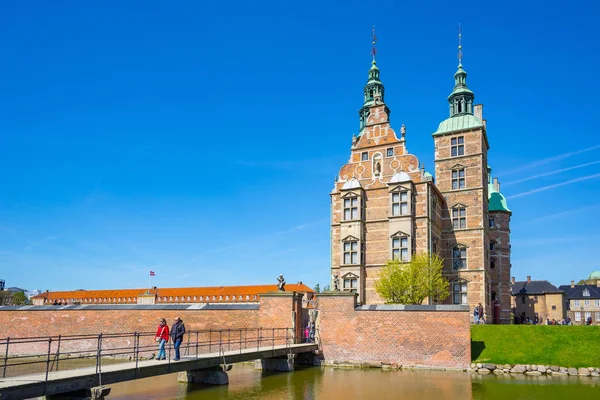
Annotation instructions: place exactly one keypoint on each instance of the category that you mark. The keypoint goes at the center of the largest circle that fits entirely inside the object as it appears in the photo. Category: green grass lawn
(565, 346)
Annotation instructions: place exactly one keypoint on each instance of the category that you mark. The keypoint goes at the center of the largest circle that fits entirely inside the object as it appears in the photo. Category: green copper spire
(373, 90)
(461, 98)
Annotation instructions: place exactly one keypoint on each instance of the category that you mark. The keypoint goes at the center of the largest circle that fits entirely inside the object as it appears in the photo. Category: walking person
(481, 314)
(312, 331)
(162, 337)
(476, 315)
(177, 332)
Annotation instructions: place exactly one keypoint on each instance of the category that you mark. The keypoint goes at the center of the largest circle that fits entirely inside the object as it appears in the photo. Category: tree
(327, 288)
(19, 299)
(414, 281)
(317, 288)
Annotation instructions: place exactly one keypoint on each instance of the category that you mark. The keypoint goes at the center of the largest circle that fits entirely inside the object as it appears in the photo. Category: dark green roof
(496, 201)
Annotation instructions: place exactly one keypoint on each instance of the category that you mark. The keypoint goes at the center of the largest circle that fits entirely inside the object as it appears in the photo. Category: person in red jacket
(162, 337)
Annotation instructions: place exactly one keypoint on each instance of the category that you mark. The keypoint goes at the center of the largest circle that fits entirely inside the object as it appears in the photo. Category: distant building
(217, 294)
(2, 282)
(583, 301)
(537, 299)
(31, 293)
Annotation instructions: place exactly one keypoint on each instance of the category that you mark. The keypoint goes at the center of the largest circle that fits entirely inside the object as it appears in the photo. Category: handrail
(54, 351)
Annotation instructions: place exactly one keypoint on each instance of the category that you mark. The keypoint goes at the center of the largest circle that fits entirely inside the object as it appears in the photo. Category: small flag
(152, 273)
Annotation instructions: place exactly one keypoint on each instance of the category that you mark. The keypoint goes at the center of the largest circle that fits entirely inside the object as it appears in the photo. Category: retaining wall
(408, 336)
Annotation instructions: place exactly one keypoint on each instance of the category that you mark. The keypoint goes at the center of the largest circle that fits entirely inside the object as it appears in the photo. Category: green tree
(414, 281)
(19, 299)
(317, 288)
(327, 288)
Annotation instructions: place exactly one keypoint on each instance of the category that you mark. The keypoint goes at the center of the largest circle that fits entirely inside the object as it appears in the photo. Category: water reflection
(246, 383)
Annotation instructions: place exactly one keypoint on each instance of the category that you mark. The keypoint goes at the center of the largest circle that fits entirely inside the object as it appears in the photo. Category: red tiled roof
(193, 294)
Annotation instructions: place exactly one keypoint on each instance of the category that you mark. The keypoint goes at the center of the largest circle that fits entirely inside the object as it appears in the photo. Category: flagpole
(149, 278)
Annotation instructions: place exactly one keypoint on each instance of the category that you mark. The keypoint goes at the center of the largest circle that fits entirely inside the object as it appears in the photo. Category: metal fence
(53, 353)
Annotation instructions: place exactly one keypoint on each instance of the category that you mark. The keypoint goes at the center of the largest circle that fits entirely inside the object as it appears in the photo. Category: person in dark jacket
(177, 332)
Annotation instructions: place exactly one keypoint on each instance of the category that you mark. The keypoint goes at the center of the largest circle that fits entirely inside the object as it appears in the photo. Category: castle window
(492, 263)
(586, 292)
(553, 307)
(364, 156)
(492, 245)
(399, 203)
(459, 292)
(458, 179)
(350, 208)
(492, 222)
(351, 285)
(400, 248)
(226, 297)
(459, 257)
(597, 316)
(220, 297)
(597, 304)
(459, 217)
(247, 297)
(523, 299)
(586, 303)
(578, 316)
(390, 152)
(576, 303)
(457, 147)
(351, 252)
(214, 297)
(195, 298)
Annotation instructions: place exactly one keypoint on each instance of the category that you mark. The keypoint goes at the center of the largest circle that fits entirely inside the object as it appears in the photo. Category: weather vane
(460, 55)
(373, 49)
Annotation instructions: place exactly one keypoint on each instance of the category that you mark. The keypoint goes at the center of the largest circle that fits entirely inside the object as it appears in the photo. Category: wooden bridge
(202, 361)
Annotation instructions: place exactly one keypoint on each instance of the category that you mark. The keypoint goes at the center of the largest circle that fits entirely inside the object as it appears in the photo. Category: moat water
(246, 383)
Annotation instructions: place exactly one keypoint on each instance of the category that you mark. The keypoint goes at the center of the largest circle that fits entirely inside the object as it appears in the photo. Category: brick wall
(431, 336)
(276, 310)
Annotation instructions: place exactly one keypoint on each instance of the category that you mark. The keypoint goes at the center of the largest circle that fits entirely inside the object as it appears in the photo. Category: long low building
(213, 294)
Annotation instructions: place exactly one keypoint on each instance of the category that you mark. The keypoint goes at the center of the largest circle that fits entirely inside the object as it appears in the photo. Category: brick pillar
(281, 310)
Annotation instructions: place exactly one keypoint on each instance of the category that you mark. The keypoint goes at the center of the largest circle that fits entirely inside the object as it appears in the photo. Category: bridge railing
(29, 355)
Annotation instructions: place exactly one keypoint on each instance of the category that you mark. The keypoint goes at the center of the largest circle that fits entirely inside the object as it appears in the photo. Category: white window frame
(350, 208)
(400, 203)
(459, 216)
(586, 303)
(576, 303)
(350, 284)
(578, 316)
(460, 288)
(350, 252)
(400, 248)
(457, 146)
(458, 179)
(597, 303)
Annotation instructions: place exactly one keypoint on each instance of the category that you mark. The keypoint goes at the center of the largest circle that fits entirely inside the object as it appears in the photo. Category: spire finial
(460, 54)
(374, 41)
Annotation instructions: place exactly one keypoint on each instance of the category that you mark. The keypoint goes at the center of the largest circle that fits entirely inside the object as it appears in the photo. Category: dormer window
(457, 146)
(586, 292)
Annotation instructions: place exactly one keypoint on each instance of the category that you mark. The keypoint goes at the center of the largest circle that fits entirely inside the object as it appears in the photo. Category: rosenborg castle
(385, 205)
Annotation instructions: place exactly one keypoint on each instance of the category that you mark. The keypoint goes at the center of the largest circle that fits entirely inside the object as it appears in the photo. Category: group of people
(478, 315)
(175, 334)
(309, 332)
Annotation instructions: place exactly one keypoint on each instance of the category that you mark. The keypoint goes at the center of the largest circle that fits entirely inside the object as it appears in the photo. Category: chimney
(512, 280)
(572, 284)
(496, 185)
(478, 111)
(528, 279)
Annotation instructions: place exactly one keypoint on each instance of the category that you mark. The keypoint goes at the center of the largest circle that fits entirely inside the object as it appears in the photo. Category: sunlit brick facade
(385, 205)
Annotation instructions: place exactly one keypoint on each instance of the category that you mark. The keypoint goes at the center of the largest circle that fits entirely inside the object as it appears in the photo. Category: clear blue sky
(200, 139)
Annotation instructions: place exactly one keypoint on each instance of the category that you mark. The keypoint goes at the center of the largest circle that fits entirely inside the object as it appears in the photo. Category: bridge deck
(35, 385)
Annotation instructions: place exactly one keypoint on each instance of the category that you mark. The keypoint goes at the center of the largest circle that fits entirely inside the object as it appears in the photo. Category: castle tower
(382, 204)
(461, 159)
